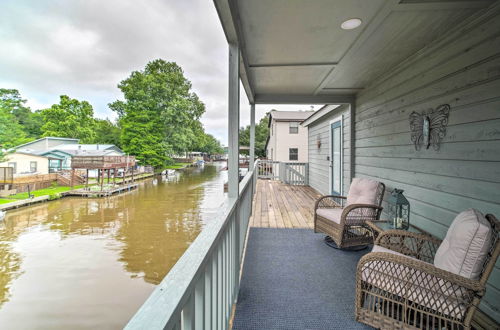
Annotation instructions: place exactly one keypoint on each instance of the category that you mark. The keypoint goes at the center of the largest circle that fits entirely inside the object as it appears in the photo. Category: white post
(252, 137)
(234, 121)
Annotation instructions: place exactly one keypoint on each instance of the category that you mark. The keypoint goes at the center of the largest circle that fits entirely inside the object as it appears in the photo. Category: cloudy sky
(84, 48)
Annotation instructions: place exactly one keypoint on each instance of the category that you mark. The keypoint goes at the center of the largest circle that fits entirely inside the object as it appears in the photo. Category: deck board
(279, 205)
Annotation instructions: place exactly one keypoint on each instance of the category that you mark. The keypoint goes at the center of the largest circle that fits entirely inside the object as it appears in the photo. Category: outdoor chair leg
(331, 243)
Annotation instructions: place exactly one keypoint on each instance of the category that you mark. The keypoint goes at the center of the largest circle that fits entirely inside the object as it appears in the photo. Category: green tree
(17, 123)
(11, 132)
(212, 145)
(106, 132)
(261, 134)
(160, 114)
(30, 121)
(70, 118)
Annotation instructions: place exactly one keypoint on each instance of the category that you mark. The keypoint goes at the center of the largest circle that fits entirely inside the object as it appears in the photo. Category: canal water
(81, 263)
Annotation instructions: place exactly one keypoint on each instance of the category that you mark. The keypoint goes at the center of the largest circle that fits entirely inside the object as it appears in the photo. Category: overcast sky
(84, 48)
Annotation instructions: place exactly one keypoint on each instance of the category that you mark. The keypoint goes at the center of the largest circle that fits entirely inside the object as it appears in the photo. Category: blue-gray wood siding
(319, 166)
(461, 69)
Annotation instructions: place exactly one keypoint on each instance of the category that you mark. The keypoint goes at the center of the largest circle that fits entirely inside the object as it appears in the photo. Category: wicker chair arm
(428, 273)
(359, 213)
(420, 246)
(330, 201)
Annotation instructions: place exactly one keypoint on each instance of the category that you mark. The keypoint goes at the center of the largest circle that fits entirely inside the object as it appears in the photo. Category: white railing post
(252, 137)
(306, 174)
(233, 121)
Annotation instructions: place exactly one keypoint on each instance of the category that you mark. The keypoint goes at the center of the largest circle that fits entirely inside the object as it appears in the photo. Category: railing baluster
(219, 288)
(231, 263)
(177, 324)
(199, 304)
(188, 314)
(224, 279)
(215, 289)
(208, 296)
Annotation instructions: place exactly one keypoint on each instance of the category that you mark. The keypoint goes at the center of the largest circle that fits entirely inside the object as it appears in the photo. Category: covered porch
(376, 66)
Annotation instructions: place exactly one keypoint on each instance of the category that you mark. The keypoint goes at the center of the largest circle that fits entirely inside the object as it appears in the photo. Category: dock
(98, 193)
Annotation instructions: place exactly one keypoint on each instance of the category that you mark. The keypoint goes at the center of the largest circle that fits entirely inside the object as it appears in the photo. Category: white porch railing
(268, 169)
(292, 173)
(199, 291)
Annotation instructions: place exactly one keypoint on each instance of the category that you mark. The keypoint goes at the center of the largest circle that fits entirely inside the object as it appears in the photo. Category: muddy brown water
(80, 263)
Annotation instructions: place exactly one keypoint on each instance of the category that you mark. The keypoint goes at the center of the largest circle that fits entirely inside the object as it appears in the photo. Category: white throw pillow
(465, 247)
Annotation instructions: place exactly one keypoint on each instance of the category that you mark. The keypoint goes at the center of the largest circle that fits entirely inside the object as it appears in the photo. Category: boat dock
(101, 193)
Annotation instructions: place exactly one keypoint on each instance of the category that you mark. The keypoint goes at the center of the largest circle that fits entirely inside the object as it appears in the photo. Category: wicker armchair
(343, 218)
(398, 287)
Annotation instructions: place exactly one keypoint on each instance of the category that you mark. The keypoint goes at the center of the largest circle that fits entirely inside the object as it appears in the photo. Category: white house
(26, 164)
(287, 140)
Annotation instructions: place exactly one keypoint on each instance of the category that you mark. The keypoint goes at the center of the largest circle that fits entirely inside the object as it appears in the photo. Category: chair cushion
(362, 191)
(417, 286)
(332, 214)
(465, 247)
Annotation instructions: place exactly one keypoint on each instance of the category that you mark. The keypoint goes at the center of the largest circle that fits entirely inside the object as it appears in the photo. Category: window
(293, 154)
(33, 167)
(14, 166)
(294, 128)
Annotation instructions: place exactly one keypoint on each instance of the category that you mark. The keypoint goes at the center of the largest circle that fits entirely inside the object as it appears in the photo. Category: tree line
(261, 134)
(158, 118)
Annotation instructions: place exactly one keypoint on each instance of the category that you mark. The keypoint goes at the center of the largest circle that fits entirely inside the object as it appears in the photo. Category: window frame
(290, 154)
(13, 165)
(293, 125)
(31, 166)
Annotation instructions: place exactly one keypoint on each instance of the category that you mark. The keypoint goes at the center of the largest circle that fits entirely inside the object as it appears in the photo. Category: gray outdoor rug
(292, 280)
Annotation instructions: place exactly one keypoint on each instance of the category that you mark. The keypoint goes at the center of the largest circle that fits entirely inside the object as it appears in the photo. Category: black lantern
(398, 210)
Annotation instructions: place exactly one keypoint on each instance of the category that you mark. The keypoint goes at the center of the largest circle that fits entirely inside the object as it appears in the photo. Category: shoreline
(48, 198)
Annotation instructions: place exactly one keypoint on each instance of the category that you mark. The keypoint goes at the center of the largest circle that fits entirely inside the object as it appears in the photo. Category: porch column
(252, 137)
(233, 121)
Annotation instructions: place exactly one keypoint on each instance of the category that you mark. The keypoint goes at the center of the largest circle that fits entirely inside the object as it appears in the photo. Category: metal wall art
(429, 127)
(318, 142)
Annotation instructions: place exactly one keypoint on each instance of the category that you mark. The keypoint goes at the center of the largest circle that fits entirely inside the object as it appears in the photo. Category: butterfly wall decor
(429, 127)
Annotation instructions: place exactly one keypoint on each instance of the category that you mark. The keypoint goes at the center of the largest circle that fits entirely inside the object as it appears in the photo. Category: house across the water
(53, 154)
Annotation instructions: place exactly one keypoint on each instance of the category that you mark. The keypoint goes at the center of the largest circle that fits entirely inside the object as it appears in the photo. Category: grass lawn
(5, 201)
(42, 192)
(177, 166)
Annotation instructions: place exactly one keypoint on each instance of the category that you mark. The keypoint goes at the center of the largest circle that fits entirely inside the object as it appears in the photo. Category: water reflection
(86, 263)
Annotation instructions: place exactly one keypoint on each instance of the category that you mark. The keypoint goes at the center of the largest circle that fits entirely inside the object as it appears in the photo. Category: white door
(336, 156)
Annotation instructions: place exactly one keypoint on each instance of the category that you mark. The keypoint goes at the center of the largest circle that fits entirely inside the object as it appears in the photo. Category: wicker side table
(379, 226)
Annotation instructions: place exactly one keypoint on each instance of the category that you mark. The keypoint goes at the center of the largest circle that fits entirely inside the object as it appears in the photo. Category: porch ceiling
(294, 51)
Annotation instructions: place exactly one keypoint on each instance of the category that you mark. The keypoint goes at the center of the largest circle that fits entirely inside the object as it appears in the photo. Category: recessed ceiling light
(351, 23)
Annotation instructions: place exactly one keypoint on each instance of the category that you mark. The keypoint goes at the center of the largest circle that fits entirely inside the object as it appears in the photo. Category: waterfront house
(26, 164)
(60, 150)
(287, 140)
(418, 83)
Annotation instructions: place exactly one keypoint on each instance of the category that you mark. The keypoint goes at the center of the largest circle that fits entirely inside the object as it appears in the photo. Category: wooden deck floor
(278, 205)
